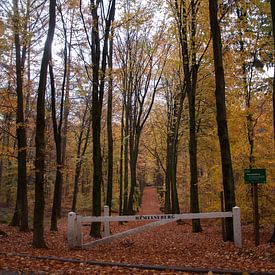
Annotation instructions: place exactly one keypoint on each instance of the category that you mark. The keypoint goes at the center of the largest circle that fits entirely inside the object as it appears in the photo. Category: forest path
(150, 202)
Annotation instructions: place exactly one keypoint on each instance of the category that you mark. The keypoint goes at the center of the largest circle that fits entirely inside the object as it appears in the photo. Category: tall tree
(99, 62)
(227, 170)
(175, 96)
(109, 124)
(58, 129)
(38, 220)
(21, 212)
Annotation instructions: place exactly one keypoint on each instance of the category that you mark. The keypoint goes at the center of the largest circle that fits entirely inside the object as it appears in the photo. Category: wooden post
(222, 219)
(106, 223)
(256, 214)
(71, 230)
(237, 226)
(79, 235)
(74, 231)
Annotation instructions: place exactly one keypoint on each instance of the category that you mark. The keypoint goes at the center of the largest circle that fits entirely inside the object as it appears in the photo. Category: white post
(79, 235)
(237, 226)
(74, 230)
(106, 223)
(71, 229)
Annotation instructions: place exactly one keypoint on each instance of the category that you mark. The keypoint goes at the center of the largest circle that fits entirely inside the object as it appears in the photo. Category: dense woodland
(101, 98)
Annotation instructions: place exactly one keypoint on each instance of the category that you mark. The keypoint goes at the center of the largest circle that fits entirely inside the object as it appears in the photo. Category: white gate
(75, 222)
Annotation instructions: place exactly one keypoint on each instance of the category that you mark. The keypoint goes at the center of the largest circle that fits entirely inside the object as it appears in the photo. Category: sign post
(255, 176)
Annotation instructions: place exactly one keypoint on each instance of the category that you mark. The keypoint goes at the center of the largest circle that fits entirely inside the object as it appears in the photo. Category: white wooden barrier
(75, 223)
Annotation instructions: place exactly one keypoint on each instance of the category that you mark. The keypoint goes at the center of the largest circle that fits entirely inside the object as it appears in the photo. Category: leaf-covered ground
(168, 245)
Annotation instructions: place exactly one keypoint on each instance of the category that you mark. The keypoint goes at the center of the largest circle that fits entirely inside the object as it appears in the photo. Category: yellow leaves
(2, 27)
(73, 4)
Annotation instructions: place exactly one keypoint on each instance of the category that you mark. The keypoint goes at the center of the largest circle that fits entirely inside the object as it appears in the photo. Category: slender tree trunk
(38, 223)
(67, 100)
(174, 156)
(247, 93)
(126, 147)
(58, 146)
(227, 171)
(190, 77)
(80, 154)
(167, 207)
(21, 210)
(121, 164)
(133, 168)
(109, 127)
(194, 197)
(99, 75)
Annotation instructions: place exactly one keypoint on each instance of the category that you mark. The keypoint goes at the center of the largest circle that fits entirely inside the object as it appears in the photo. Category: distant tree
(38, 219)
(82, 144)
(227, 171)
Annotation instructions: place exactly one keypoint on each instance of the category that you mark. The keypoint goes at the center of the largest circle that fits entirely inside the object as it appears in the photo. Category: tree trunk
(126, 147)
(67, 98)
(38, 222)
(109, 127)
(99, 75)
(133, 168)
(190, 78)
(80, 154)
(96, 123)
(58, 146)
(21, 210)
(121, 163)
(227, 171)
(174, 155)
(167, 204)
(194, 193)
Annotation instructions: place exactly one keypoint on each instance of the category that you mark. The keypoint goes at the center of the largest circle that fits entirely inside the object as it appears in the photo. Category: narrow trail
(150, 202)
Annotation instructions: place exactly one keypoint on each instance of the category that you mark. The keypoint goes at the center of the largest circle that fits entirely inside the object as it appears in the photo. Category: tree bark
(190, 79)
(21, 210)
(121, 163)
(227, 171)
(126, 150)
(109, 127)
(58, 146)
(80, 153)
(38, 222)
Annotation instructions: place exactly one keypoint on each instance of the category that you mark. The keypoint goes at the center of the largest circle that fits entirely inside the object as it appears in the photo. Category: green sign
(255, 175)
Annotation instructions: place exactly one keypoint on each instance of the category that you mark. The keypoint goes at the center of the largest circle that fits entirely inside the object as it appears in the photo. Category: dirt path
(150, 202)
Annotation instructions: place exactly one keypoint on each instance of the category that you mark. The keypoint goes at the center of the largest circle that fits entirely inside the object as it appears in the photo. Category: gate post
(74, 231)
(237, 226)
(106, 223)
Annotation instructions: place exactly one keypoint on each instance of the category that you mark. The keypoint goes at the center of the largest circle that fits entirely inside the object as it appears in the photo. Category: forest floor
(171, 245)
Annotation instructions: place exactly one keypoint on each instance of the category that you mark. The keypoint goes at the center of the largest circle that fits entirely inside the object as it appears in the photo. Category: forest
(100, 99)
